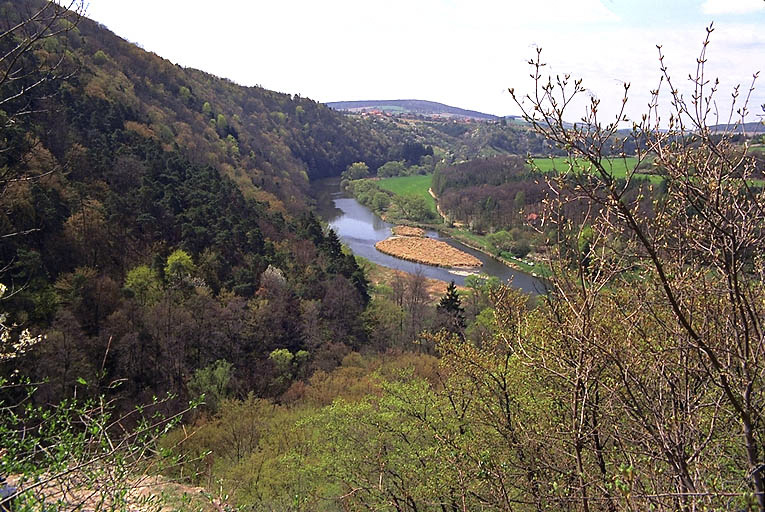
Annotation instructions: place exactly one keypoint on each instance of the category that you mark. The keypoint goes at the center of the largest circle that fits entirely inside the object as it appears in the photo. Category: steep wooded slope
(141, 206)
(267, 142)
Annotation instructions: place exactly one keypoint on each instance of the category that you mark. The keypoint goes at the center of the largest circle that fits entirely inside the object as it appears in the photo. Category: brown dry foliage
(428, 251)
(408, 231)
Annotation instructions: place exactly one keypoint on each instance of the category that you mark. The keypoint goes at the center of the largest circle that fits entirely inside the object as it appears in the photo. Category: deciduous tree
(682, 284)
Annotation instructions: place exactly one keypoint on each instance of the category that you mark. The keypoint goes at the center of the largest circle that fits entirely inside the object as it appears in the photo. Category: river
(360, 229)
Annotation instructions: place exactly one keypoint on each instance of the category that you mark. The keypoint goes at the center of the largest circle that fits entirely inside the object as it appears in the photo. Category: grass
(619, 166)
(416, 186)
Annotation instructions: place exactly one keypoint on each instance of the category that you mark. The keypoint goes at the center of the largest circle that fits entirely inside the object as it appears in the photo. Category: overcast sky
(464, 53)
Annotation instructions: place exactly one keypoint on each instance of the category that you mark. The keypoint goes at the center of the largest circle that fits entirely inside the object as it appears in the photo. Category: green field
(619, 166)
(410, 186)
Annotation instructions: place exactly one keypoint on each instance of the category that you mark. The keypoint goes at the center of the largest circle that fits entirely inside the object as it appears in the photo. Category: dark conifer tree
(451, 308)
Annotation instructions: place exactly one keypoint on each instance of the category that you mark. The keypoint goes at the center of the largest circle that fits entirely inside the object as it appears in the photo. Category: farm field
(410, 186)
(619, 166)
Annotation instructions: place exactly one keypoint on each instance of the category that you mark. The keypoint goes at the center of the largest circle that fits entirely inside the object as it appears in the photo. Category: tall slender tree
(450, 308)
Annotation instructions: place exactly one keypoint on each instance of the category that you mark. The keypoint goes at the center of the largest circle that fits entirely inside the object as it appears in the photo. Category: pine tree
(451, 307)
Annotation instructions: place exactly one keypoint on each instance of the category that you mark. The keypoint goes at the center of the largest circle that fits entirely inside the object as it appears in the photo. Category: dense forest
(456, 141)
(172, 312)
(138, 214)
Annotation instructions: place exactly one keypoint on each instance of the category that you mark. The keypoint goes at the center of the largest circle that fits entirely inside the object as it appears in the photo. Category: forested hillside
(456, 141)
(151, 220)
(270, 144)
(171, 308)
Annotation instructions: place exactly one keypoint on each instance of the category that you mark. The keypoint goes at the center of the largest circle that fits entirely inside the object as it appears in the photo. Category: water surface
(360, 229)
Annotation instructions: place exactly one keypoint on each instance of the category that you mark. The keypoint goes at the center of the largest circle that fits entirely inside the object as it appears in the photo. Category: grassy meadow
(619, 166)
(410, 186)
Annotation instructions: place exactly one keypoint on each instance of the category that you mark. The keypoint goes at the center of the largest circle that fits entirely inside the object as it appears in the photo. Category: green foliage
(212, 383)
(502, 240)
(185, 93)
(482, 283)
(165, 133)
(384, 321)
(179, 266)
(100, 58)
(356, 171)
(520, 200)
(391, 169)
(414, 208)
(483, 328)
(368, 193)
(287, 366)
(379, 201)
(144, 284)
(277, 456)
(282, 359)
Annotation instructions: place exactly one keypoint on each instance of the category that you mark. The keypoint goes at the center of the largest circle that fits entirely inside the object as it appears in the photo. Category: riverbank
(360, 229)
(455, 234)
(473, 241)
(533, 269)
(385, 277)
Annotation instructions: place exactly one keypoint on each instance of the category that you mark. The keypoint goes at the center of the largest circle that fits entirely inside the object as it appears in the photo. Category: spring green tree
(143, 282)
(179, 266)
(212, 382)
(356, 171)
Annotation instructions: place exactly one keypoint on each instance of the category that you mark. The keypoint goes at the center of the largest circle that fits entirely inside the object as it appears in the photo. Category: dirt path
(441, 213)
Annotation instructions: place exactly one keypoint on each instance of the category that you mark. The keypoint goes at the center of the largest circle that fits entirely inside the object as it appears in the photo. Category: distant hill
(751, 128)
(419, 107)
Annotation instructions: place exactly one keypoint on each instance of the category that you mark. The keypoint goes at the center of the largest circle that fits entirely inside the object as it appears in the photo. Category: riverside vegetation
(157, 240)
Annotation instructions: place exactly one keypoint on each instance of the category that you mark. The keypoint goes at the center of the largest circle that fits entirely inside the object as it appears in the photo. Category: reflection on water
(360, 229)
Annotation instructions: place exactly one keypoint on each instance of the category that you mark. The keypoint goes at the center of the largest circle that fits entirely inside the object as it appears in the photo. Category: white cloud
(732, 6)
